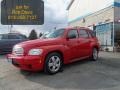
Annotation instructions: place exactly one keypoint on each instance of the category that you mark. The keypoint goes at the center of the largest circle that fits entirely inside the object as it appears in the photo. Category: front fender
(48, 49)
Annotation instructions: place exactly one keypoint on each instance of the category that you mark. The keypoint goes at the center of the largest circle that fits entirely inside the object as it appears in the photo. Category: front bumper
(29, 63)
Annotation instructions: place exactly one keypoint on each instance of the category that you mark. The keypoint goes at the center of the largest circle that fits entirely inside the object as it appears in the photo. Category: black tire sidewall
(92, 57)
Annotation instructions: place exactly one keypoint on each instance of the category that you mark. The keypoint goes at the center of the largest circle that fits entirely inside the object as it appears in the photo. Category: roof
(76, 27)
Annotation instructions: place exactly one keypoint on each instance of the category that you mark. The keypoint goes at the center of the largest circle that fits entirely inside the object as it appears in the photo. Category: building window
(104, 34)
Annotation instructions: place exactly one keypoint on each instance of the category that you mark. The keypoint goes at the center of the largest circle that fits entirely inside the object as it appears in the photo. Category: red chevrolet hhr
(59, 47)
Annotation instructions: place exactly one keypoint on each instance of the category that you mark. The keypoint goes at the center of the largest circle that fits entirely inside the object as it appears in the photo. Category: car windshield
(54, 34)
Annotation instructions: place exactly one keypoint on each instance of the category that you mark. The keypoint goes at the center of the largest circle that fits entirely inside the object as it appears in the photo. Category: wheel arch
(95, 46)
(56, 51)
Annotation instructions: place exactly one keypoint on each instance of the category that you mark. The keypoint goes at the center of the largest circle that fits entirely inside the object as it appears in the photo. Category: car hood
(40, 42)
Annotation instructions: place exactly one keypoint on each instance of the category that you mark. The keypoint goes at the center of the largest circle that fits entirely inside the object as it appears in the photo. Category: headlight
(35, 52)
(18, 50)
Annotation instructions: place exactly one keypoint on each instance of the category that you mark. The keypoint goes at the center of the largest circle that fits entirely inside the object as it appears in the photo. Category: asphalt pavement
(103, 74)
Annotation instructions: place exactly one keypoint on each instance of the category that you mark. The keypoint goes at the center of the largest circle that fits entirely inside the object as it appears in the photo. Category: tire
(94, 56)
(53, 63)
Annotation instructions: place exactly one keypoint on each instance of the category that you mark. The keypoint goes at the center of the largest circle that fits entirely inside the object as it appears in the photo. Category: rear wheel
(94, 56)
(53, 63)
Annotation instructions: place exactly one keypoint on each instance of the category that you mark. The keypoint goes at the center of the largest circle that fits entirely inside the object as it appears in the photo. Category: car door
(72, 43)
(84, 43)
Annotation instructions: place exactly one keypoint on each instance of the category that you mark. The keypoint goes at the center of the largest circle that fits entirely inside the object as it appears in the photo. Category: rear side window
(13, 37)
(4, 36)
(73, 34)
(83, 34)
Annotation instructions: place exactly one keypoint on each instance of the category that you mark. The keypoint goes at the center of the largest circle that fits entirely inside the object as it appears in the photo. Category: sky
(55, 16)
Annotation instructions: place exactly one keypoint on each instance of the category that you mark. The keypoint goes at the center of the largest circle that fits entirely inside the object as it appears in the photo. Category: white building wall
(83, 7)
(103, 16)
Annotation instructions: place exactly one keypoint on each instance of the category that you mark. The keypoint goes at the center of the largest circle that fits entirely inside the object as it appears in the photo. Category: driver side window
(72, 34)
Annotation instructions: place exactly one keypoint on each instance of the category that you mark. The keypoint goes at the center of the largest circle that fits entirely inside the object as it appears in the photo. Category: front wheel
(53, 63)
(94, 56)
